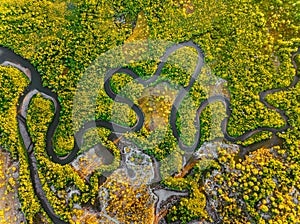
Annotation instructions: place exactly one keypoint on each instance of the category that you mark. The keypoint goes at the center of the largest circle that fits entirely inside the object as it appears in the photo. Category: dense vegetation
(260, 189)
(247, 43)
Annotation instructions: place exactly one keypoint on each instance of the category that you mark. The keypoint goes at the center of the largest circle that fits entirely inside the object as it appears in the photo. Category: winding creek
(9, 58)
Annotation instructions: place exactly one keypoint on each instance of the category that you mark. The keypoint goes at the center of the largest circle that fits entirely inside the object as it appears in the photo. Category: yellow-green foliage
(289, 102)
(191, 207)
(39, 115)
(127, 201)
(61, 38)
(256, 138)
(243, 42)
(267, 183)
(248, 43)
(13, 83)
(171, 164)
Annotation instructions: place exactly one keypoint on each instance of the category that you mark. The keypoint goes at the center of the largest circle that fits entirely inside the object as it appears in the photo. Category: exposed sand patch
(9, 202)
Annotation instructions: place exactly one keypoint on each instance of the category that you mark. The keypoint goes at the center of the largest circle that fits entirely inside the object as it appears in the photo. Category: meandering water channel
(9, 58)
